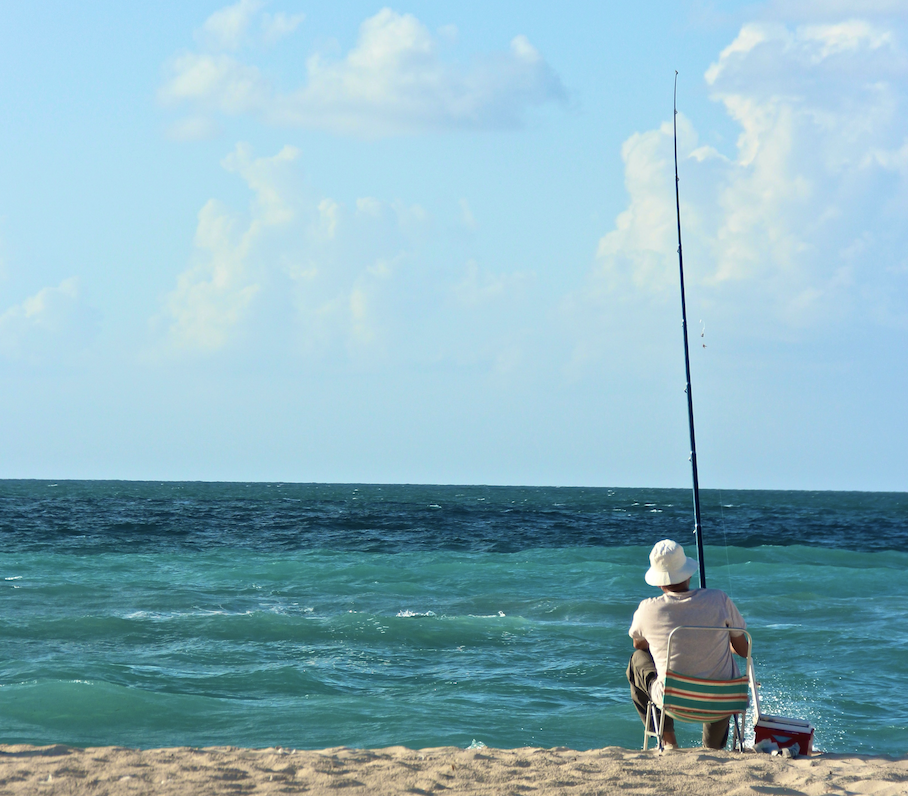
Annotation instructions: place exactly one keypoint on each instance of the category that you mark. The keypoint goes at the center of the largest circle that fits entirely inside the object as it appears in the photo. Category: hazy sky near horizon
(436, 243)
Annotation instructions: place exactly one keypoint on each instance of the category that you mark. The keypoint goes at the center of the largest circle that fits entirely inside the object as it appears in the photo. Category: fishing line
(725, 543)
(721, 496)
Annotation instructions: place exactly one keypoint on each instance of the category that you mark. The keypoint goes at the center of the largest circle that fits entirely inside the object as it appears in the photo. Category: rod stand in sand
(690, 399)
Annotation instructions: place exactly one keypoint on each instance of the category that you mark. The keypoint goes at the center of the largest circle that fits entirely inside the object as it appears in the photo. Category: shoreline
(449, 770)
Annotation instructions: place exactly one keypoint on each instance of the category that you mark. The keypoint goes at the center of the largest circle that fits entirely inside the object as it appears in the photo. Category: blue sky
(435, 242)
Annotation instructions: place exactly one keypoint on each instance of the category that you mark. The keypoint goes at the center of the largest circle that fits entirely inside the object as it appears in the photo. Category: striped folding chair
(693, 699)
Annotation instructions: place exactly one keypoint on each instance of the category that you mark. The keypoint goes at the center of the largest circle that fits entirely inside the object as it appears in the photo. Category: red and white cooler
(784, 732)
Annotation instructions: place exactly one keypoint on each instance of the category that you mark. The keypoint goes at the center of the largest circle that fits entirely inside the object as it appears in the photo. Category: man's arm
(739, 645)
(641, 644)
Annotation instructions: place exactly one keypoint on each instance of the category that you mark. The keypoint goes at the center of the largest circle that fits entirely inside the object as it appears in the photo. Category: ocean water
(307, 616)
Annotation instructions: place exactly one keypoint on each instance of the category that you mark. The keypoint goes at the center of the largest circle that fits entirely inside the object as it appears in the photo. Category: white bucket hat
(669, 565)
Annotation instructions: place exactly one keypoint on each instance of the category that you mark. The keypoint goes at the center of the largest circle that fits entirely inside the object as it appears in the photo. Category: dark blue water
(79, 516)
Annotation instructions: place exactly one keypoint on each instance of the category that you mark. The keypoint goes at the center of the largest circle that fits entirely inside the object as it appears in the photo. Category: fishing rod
(690, 399)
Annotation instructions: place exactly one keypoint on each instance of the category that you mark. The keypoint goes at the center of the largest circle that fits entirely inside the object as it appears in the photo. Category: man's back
(699, 654)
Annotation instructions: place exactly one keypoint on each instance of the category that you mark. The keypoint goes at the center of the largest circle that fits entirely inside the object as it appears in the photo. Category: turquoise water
(162, 615)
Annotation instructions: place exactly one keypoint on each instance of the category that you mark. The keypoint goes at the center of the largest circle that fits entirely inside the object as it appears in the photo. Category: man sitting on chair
(693, 654)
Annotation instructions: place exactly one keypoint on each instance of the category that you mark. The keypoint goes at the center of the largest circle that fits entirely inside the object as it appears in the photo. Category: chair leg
(657, 727)
(737, 740)
(646, 726)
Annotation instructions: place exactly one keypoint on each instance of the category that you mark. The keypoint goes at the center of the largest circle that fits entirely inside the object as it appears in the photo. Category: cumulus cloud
(395, 80)
(228, 28)
(214, 295)
(351, 279)
(305, 276)
(245, 23)
(302, 271)
(279, 25)
(216, 83)
(818, 171)
(642, 245)
(52, 323)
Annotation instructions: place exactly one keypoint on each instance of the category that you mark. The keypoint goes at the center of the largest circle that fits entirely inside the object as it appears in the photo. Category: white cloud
(823, 132)
(643, 244)
(216, 83)
(262, 175)
(214, 295)
(278, 26)
(781, 58)
(228, 28)
(354, 298)
(244, 23)
(845, 37)
(50, 324)
(303, 272)
(369, 206)
(393, 81)
(304, 276)
(892, 160)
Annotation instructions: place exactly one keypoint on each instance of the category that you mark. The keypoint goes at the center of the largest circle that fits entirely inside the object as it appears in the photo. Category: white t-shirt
(695, 653)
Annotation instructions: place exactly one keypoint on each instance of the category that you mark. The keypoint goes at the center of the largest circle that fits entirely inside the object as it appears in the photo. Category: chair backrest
(695, 699)
(698, 700)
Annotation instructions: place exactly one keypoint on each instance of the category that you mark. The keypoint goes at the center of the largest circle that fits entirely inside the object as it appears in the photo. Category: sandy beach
(449, 770)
